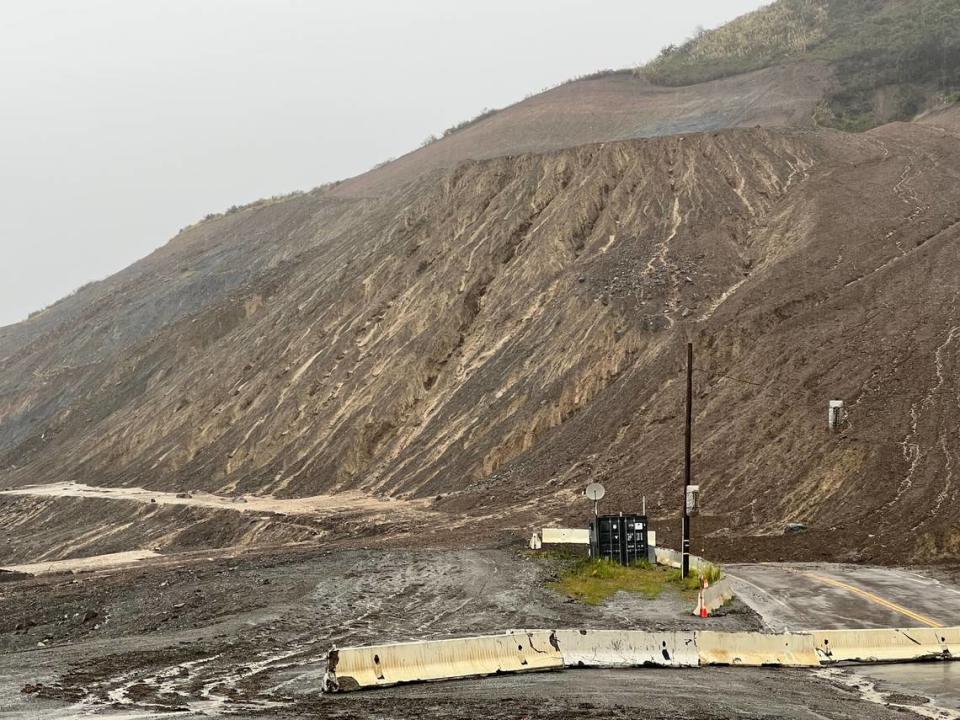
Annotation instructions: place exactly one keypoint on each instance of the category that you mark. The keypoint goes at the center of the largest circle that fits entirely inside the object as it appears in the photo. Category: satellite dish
(595, 491)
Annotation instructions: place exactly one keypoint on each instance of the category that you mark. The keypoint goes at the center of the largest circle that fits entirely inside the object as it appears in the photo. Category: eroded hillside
(483, 341)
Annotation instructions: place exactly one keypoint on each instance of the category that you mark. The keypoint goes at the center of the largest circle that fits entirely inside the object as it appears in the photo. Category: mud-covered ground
(246, 635)
(252, 630)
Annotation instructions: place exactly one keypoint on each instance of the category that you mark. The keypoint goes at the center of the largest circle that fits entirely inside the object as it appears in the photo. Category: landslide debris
(492, 338)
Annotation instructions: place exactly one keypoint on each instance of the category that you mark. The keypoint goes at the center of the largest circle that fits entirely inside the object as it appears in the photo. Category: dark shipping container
(619, 538)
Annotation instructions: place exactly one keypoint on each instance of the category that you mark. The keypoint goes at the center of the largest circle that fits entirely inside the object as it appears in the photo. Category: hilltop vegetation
(890, 57)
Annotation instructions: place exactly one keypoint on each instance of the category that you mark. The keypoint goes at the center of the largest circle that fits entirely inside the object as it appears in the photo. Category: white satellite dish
(595, 491)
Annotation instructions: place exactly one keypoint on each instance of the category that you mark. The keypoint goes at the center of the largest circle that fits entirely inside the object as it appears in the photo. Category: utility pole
(685, 517)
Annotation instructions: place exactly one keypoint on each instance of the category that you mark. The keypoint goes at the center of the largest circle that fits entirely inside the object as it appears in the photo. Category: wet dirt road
(247, 635)
(250, 633)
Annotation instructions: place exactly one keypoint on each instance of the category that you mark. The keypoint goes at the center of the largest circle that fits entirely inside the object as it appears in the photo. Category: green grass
(691, 583)
(908, 50)
(594, 581)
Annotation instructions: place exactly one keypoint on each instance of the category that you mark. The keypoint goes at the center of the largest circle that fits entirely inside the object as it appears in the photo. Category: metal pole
(685, 518)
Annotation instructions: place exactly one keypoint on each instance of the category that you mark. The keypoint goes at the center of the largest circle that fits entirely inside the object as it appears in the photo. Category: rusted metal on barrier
(627, 648)
(756, 649)
(887, 645)
(392, 664)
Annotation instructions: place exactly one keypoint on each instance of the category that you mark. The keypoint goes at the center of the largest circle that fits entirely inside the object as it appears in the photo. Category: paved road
(820, 596)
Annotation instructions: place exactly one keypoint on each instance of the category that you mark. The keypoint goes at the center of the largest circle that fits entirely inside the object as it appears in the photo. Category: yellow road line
(878, 600)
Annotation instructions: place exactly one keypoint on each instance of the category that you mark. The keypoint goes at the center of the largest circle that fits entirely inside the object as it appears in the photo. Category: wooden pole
(687, 471)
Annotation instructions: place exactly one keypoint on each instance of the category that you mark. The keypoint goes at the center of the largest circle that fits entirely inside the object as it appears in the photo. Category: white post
(835, 415)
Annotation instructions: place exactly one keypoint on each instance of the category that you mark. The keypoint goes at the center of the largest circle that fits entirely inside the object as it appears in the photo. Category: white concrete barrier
(533, 650)
(673, 558)
(383, 665)
(668, 557)
(883, 645)
(715, 596)
(627, 648)
(565, 536)
(756, 649)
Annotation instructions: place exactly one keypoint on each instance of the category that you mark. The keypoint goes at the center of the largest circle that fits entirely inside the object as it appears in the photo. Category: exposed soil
(246, 636)
(610, 108)
(294, 424)
(252, 630)
(483, 343)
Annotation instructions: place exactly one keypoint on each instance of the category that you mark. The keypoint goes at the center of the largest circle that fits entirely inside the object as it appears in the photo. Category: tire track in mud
(363, 604)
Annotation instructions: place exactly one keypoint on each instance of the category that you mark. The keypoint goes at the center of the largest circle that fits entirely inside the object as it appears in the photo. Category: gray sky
(122, 121)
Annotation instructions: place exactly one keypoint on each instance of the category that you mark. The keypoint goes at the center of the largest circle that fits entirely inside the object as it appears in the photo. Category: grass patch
(691, 583)
(593, 581)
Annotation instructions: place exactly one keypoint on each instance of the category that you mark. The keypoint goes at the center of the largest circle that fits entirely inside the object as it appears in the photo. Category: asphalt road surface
(820, 596)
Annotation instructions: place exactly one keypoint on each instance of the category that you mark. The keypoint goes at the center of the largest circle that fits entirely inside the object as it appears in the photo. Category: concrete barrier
(668, 557)
(716, 596)
(383, 665)
(537, 650)
(673, 558)
(883, 645)
(627, 648)
(565, 536)
(756, 649)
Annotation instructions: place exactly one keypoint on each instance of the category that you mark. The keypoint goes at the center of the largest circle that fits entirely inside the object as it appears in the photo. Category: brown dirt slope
(497, 335)
(946, 118)
(615, 106)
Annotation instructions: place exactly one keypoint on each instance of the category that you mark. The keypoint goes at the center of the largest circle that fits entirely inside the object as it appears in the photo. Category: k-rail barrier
(515, 651)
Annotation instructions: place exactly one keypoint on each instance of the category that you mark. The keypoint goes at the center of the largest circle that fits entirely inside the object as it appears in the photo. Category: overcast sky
(122, 121)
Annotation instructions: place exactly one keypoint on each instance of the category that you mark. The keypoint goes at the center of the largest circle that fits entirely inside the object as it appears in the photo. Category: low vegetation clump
(484, 114)
(593, 581)
(889, 56)
(710, 573)
(770, 35)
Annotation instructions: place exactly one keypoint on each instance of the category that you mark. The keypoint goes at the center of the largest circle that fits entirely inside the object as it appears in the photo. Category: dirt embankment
(611, 108)
(490, 340)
